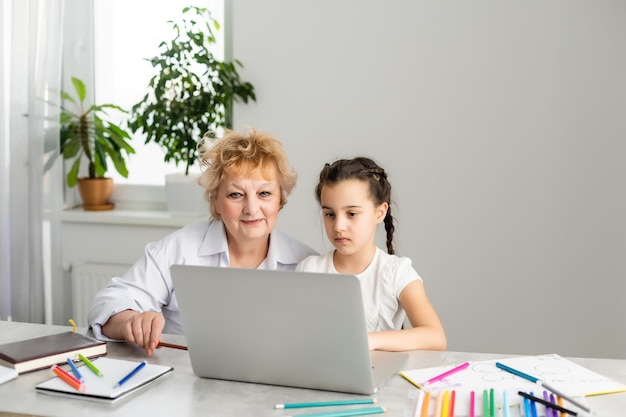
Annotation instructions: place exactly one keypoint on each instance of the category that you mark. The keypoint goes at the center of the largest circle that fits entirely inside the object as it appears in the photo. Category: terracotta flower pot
(95, 193)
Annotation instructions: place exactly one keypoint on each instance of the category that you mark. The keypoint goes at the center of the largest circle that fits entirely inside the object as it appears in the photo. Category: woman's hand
(143, 329)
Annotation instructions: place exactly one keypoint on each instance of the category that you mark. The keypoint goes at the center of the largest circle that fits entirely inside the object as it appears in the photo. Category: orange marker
(425, 405)
(69, 379)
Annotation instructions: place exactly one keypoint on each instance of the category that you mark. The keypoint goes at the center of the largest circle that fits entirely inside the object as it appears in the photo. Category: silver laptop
(297, 329)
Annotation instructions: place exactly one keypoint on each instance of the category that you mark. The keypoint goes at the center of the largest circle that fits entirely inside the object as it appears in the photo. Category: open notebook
(103, 388)
(298, 329)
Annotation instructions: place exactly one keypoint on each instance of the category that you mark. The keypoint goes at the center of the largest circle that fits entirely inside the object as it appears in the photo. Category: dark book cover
(40, 352)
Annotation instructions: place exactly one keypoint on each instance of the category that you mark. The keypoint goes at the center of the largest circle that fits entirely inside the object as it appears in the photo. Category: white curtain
(30, 172)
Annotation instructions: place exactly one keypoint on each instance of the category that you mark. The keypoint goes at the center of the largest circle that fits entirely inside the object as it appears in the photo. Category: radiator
(87, 279)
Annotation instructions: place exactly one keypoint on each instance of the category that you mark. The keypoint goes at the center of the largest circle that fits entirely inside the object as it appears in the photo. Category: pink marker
(447, 373)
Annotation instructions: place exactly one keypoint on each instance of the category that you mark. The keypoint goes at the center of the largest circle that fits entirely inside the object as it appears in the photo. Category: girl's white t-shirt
(381, 284)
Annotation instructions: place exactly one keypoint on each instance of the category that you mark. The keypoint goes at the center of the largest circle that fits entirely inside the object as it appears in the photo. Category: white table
(184, 394)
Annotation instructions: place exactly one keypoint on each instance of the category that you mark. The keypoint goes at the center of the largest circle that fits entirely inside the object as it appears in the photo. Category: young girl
(355, 196)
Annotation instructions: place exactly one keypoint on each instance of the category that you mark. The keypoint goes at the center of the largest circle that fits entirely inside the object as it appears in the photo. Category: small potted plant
(88, 134)
(190, 94)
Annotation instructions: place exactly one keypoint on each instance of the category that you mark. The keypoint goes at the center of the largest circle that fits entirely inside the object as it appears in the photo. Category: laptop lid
(287, 328)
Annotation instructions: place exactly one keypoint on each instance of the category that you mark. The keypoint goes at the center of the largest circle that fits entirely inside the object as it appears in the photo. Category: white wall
(503, 127)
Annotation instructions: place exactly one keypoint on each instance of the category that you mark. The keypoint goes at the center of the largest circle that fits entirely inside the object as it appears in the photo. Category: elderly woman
(247, 179)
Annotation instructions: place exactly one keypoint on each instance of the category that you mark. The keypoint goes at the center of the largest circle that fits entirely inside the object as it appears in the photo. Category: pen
(172, 345)
(130, 374)
(492, 402)
(347, 413)
(472, 400)
(90, 365)
(544, 384)
(328, 403)
(544, 402)
(75, 370)
(69, 379)
(447, 373)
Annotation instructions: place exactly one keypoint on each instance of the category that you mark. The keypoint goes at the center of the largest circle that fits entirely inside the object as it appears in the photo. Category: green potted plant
(190, 94)
(87, 134)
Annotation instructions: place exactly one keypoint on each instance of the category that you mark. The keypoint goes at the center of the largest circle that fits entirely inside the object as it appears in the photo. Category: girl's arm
(427, 332)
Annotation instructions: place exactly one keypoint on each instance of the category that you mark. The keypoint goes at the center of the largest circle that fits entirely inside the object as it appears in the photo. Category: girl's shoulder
(316, 263)
(394, 265)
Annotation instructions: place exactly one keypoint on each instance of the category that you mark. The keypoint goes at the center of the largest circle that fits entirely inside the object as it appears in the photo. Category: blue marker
(131, 374)
(75, 370)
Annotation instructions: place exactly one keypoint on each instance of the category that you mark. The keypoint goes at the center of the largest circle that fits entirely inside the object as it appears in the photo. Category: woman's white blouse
(147, 285)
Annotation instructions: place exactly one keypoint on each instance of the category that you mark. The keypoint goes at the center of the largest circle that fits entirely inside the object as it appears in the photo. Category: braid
(389, 228)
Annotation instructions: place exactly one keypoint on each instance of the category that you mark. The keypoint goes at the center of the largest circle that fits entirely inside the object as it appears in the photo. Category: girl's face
(350, 216)
(249, 205)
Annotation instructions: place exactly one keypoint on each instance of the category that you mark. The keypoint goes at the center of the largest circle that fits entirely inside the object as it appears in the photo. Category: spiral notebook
(103, 389)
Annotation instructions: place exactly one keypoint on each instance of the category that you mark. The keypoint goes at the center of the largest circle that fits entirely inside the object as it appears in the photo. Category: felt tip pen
(447, 373)
(90, 365)
(532, 399)
(347, 413)
(328, 403)
(130, 374)
(68, 379)
(75, 370)
(544, 384)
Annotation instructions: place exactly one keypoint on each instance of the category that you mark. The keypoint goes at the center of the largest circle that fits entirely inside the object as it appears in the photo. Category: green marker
(90, 365)
(328, 403)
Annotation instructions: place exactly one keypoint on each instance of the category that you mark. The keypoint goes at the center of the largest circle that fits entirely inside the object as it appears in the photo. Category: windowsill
(119, 216)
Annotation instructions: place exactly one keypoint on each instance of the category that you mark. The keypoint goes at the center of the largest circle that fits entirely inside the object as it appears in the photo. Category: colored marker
(542, 383)
(347, 413)
(130, 374)
(505, 404)
(75, 370)
(527, 411)
(534, 399)
(425, 406)
(328, 403)
(90, 365)
(69, 379)
(445, 404)
(533, 404)
(472, 403)
(485, 402)
(452, 398)
(553, 401)
(492, 402)
(447, 373)
(439, 404)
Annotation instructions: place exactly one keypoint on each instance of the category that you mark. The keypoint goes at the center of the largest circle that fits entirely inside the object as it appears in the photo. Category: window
(125, 34)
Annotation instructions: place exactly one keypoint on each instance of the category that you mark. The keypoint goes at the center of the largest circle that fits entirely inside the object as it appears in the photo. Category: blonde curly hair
(240, 153)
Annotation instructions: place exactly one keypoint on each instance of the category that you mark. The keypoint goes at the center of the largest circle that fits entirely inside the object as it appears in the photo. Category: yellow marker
(73, 325)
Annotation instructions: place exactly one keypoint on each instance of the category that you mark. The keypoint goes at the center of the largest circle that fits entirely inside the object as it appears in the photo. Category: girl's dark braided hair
(363, 169)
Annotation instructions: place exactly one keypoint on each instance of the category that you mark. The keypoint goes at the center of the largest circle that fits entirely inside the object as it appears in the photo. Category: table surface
(185, 394)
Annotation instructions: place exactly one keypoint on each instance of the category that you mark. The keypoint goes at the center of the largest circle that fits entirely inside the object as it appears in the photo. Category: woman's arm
(143, 329)
(427, 332)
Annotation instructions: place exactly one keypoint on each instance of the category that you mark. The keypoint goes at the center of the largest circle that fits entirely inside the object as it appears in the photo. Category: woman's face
(248, 205)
